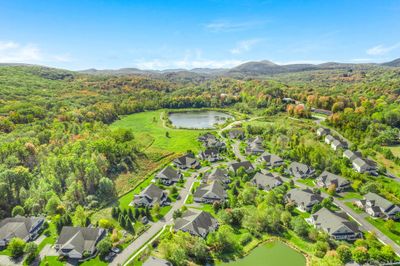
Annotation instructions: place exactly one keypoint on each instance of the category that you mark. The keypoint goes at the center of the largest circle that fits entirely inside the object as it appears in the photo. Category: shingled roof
(195, 222)
(149, 196)
(267, 181)
(212, 191)
(76, 240)
(18, 227)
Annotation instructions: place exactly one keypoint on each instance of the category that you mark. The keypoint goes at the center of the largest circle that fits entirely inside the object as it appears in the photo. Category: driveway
(7, 261)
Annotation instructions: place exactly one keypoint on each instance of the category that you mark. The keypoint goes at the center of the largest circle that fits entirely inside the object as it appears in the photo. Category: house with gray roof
(377, 206)
(323, 131)
(210, 154)
(248, 167)
(236, 134)
(26, 228)
(335, 224)
(196, 222)
(211, 141)
(337, 144)
(150, 196)
(169, 176)
(304, 199)
(300, 170)
(255, 145)
(75, 242)
(364, 166)
(329, 138)
(219, 175)
(187, 161)
(351, 155)
(210, 193)
(267, 181)
(327, 179)
(271, 160)
(153, 261)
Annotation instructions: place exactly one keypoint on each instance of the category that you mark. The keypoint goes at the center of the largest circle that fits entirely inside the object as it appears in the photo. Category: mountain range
(253, 68)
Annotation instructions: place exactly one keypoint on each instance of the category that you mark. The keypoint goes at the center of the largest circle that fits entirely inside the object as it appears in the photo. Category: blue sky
(189, 34)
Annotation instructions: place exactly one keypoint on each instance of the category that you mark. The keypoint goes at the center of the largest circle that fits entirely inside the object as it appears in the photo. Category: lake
(270, 254)
(198, 119)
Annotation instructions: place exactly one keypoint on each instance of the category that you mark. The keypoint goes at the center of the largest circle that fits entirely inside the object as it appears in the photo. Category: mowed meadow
(159, 144)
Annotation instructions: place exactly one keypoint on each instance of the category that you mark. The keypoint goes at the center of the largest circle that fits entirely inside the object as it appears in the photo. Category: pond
(198, 119)
(270, 254)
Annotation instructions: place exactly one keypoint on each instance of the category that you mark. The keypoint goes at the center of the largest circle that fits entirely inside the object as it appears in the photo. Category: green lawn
(148, 127)
(95, 261)
(395, 150)
(51, 261)
(354, 208)
(302, 214)
(380, 224)
(351, 195)
(307, 181)
(6, 252)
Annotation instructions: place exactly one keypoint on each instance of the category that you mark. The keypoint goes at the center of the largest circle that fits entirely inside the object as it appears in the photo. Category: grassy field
(380, 224)
(149, 129)
(395, 150)
(354, 208)
(51, 260)
(390, 165)
(351, 195)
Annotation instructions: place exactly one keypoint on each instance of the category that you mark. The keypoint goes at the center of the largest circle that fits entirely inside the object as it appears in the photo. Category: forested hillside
(55, 143)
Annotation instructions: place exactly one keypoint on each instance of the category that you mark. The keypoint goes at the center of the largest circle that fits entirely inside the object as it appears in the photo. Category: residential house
(236, 134)
(377, 206)
(218, 174)
(77, 242)
(299, 170)
(169, 176)
(323, 131)
(210, 193)
(271, 160)
(210, 154)
(150, 196)
(248, 167)
(26, 228)
(335, 224)
(338, 144)
(255, 146)
(196, 222)
(211, 141)
(326, 179)
(364, 166)
(153, 261)
(329, 138)
(304, 199)
(351, 155)
(267, 181)
(187, 161)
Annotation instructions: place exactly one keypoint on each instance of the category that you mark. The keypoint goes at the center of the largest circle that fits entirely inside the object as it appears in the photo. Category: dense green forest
(56, 146)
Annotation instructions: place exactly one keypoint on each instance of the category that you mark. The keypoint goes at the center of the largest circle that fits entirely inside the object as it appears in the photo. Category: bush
(18, 210)
(16, 247)
(104, 246)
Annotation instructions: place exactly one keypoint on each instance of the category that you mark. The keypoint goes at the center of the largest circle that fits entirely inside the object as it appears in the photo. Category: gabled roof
(168, 173)
(299, 169)
(207, 136)
(196, 222)
(328, 178)
(245, 164)
(351, 154)
(151, 194)
(217, 174)
(271, 158)
(236, 133)
(18, 226)
(303, 196)
(337, 143)
(379, 201)
(210, 152)
(332, 222)
(267, 180)
(214, 190)
(360, 162)
(329, 137)
(323, 130)
(187, 160)
(78, 239)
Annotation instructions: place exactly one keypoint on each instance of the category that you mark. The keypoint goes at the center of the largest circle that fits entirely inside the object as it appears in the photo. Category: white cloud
(13, 52)
(187, 63)
(227, 26)
(382, 49)
(244, 46)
